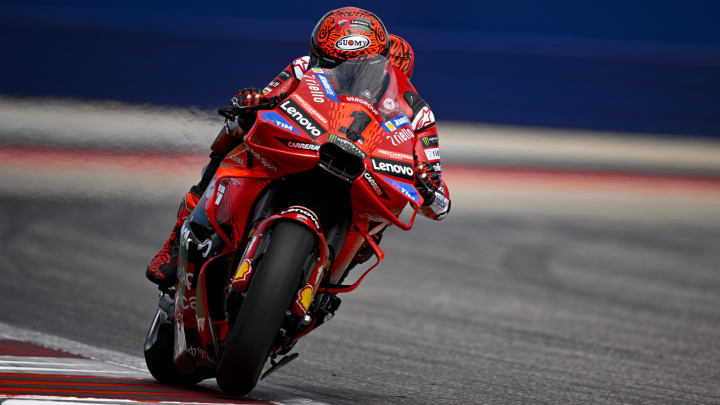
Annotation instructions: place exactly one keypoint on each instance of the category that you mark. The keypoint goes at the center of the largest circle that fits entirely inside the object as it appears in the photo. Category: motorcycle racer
(340, 35)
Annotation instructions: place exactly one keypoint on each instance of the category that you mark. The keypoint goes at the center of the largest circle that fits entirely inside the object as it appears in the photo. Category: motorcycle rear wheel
(268, 297)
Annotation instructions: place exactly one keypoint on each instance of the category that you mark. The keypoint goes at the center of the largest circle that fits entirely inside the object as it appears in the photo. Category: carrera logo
(352, 43)
(393, 168)
(375, 186)
(302, 118)
(304, 146)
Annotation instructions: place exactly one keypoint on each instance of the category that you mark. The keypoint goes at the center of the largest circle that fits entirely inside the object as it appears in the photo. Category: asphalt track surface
(482, 308)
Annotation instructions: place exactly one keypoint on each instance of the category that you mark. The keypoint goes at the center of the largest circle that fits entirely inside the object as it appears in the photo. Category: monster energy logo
(429, 141)
(347, 145)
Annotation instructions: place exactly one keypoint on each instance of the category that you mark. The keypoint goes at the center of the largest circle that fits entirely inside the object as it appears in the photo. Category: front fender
(242, 275)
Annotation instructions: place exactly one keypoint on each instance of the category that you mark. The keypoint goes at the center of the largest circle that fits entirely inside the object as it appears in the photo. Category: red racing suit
(426, 148)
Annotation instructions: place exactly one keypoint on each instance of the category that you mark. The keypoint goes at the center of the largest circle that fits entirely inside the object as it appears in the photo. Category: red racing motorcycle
(266, 251)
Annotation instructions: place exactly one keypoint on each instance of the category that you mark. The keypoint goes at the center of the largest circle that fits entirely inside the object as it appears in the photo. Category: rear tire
(269, 295)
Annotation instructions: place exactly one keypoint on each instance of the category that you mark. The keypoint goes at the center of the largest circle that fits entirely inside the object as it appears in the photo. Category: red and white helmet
(346, 33)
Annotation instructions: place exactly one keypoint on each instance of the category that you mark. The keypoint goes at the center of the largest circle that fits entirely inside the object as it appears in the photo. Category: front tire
(268, 297)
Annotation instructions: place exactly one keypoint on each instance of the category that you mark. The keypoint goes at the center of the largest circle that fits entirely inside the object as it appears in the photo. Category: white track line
(123, 364)
(65, 370)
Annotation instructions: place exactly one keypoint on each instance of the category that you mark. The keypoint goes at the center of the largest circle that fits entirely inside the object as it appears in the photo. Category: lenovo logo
(302, 118)
(393, 168)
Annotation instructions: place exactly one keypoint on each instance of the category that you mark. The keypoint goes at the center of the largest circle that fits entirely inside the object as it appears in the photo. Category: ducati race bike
(266, 251)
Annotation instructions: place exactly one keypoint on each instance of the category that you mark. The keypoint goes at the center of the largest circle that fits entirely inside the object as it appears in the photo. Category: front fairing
(356, 108)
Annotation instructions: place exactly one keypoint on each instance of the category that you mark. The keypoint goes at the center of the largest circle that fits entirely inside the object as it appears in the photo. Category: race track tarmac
(486, 307)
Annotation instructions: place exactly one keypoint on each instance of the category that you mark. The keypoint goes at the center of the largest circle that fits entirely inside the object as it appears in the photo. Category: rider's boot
(163, 267)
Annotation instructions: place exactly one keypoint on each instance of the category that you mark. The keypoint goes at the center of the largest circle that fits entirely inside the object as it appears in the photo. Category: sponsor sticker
(347, 145)
(352, 43)
(393, 154)
(432, 153)
(394, 168)
(277, 120)
(423, 119)
(302, 118)
(429, 141)
(302, 145)
(362, 102)
(298, 210)
(284, 75)
(400, 136)
(300, 66)
(395, 123)
(389, 104)
(316, 93)
(305, 297)
(344, 24)
(407, 190)
(243, 270)
(309, 108)
(377, 188)
(326, 86)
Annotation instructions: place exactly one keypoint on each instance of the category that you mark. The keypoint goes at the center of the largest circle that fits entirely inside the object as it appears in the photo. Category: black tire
(159, 353)
(269, 295)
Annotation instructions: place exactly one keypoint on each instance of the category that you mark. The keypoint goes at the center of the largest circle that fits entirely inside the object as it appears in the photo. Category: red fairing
(355, 133)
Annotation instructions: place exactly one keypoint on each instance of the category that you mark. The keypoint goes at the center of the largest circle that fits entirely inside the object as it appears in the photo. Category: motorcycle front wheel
(269, 295)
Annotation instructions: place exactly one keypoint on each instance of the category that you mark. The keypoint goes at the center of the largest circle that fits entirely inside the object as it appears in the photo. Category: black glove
(239, 111)
(427, 182)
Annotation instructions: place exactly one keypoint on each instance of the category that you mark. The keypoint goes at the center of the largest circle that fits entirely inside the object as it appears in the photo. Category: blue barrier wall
(646, 66)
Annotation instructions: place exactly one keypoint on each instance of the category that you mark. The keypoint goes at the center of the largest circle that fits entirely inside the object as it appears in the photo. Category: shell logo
(305, 297)
(243, 270)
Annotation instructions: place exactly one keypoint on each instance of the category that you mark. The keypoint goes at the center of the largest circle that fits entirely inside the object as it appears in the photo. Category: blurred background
(580, 141)
(640, 66)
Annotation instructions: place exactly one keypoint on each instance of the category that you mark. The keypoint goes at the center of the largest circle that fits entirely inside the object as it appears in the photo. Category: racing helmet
(345, 33)
(401, 55)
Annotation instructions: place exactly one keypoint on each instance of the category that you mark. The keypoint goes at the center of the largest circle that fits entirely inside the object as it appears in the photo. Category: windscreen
(371, 79)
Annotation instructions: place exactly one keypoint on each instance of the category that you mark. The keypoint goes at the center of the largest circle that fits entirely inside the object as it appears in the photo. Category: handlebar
(233, 111)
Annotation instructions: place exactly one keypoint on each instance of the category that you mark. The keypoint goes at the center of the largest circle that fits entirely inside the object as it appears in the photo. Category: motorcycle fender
(305, 216)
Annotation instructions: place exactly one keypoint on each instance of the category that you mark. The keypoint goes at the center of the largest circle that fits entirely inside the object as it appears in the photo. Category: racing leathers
(428, 171)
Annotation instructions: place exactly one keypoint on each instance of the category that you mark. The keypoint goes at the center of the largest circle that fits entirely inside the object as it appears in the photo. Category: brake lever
(233, 111)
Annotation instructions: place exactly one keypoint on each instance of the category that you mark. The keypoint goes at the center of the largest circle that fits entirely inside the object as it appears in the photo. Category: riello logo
(352, 43)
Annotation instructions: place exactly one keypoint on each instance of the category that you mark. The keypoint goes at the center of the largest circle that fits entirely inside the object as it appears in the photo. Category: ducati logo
(352, 43)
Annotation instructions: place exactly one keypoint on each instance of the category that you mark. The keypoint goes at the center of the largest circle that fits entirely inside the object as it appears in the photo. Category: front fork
(242, 274)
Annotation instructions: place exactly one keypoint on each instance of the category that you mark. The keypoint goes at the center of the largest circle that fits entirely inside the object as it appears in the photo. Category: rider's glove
(428, 184)
(244, 117)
